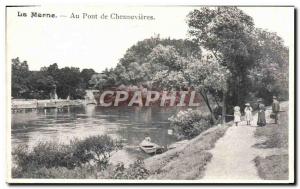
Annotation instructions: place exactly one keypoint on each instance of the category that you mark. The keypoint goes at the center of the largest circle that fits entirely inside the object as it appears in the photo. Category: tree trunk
(204, 96)
(224, 107)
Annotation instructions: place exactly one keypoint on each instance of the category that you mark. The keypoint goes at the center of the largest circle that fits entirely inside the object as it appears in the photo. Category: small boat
(150, 148)
(90, 103)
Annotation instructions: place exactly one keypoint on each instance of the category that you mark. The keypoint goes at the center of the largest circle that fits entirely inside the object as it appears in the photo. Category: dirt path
(233, 154)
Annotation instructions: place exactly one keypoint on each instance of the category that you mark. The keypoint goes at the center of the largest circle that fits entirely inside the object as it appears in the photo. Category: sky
(99, 44)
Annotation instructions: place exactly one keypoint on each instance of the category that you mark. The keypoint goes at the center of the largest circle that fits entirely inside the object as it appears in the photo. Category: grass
(273, 167)
(84, 172)
(274, 136)
(134, 172)
(188, 161)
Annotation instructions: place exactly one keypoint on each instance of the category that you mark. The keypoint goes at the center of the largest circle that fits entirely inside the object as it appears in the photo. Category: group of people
(261, 117)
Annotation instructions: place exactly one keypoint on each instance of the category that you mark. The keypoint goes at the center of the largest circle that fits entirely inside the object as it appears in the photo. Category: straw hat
(261, 106)
(247, 104)
(274, 97)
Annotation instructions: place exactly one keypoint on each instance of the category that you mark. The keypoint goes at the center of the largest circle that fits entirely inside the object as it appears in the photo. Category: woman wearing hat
(261, 120)
(248, 113)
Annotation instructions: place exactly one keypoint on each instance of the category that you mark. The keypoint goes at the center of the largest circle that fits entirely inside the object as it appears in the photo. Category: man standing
(275, 108)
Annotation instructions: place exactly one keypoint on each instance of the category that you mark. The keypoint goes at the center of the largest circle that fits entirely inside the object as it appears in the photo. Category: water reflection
(128, 124)
(125, 123)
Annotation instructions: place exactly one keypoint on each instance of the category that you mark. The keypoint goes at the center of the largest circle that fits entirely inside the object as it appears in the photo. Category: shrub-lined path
(234, 153)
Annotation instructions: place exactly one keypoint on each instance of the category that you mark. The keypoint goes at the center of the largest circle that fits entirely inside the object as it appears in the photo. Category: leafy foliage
(136, 171)
(19, 80)
(97, 148)
(223, 30)
(68, 81)
(143, 60)
(226, 32)
(190, 123)
(94, 149)
(229, 36)
(85, 76)
(169, 80)
(207, 74)
(270, 74)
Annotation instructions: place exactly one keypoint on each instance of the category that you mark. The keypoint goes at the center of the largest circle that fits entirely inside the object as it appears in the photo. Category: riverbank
(225, 153)
(42, 162)
(273, 139)
(187, 161)
(19, 104)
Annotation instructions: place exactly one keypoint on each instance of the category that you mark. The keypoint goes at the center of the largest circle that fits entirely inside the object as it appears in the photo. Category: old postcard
(150, 94)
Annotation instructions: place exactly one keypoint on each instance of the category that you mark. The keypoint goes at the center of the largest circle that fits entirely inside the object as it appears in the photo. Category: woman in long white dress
(248, 113)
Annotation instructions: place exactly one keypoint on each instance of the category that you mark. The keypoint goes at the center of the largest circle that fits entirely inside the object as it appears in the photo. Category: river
(128, 124)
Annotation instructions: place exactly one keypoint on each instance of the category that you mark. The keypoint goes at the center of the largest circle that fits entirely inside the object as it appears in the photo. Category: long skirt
(261, 120)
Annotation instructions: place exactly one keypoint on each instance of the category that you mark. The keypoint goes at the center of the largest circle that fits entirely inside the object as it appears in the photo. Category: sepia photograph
(150, 94)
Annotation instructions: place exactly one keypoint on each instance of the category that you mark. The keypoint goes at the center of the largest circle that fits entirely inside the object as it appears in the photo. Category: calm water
(128, 124)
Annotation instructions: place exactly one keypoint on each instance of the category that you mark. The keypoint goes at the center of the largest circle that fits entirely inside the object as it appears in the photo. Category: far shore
(45, 103)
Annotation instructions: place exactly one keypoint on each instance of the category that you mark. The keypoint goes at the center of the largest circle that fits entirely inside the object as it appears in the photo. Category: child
(248, 113)
(237, 115)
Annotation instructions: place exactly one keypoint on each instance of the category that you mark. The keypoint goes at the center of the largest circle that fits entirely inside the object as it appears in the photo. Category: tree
(256, 59)
(208, 77)
(98, 81)
(269, 76)
(227, 34)
(19, 78)
(205, 75)
(133, 73)
(169, 80)
(69, 80)
(169, 66)
(86, 75)
(136, 66)
(68, 83)
(41, 85)
(139, 52)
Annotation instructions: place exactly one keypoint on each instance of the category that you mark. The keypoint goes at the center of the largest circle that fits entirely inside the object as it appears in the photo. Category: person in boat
(147, 137)
(248, 113)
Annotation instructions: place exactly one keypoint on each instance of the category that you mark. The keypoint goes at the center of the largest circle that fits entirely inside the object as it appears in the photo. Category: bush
(190, 123)
(44, 155)
(135, 171)
(94, 149)
(119, 171)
